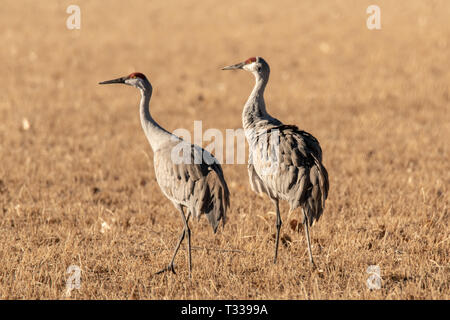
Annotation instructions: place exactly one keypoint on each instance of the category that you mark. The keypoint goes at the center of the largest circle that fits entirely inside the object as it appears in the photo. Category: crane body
(198, 188)
(285, 163)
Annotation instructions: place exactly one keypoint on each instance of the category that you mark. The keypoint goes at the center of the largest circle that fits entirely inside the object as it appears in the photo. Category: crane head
(255, 65)
(136, 79)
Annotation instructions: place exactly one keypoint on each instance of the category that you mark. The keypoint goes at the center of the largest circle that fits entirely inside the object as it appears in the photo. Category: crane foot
(170, 267)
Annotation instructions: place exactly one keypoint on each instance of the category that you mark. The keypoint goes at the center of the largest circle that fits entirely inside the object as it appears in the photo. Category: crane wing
(296, 173)
(197, 182)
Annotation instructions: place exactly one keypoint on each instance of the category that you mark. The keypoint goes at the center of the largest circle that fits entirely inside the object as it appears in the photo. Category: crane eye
(259, 68)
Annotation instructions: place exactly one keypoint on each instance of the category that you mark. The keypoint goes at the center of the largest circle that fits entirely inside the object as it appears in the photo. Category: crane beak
(234, 66)
(118, 80)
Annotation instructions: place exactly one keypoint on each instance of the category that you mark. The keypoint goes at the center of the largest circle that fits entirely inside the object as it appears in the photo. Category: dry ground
(378, 101)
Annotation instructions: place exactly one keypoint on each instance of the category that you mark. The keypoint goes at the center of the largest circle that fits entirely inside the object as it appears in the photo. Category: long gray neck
(255, 107)
(155, 134)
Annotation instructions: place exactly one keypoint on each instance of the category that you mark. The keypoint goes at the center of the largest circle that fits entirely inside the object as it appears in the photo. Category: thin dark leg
(277, 240)
(188, 230)
(306, 225)
(170, 267)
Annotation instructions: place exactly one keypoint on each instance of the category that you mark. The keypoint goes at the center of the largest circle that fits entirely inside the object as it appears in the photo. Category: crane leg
(188, 231)
(306, 225)
(185, 230)
(277, 239)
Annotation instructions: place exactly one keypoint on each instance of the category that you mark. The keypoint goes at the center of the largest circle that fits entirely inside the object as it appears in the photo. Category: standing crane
(284, 162)
(194, 181)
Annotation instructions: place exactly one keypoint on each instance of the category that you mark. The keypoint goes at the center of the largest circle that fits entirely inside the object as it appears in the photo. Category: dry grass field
(378, 101)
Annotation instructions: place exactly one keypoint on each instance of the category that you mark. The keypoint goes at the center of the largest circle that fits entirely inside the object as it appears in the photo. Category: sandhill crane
(196, 182)
(284, 162)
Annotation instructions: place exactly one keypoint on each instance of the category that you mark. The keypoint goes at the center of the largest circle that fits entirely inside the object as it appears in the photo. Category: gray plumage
(298, 177)
(285, 163)
(192, 180)
(200, 188)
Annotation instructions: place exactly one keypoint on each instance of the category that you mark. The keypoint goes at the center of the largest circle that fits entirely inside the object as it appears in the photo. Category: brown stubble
(377, 101)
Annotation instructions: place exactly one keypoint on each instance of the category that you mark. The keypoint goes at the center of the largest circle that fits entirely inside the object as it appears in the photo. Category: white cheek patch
(250, 66)
(132, 82)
